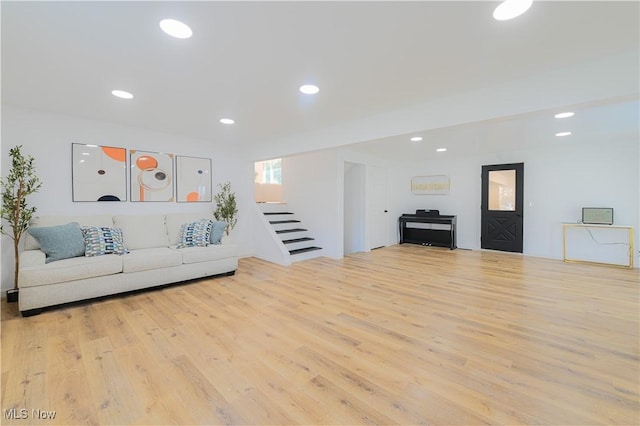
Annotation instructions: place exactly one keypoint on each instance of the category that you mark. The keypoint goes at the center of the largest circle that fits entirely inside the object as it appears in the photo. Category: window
(269, 171)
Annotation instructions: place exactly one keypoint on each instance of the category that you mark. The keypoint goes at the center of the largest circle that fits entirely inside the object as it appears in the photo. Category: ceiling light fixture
(441, 149)
(175, 28)
(416, 139)
(122, 94)
(509, 9)
(309, 89)
(226, 121)
(564, 114)
(563, 134)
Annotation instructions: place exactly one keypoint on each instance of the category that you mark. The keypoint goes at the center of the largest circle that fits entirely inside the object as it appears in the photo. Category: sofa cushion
(32, 258)
(142, 231)
(102, 240)
(76, 268)
(205, 254)
(94, 220)
(195, 234)
(151, 258)
(59, 242)
(174, 222)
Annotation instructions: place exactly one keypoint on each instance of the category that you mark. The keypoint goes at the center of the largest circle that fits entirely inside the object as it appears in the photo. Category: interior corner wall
(354, 208)
(557, 184)
(311, 187)
(48, 138)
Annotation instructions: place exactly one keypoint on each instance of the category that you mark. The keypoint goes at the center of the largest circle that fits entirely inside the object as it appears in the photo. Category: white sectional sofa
(152, 260)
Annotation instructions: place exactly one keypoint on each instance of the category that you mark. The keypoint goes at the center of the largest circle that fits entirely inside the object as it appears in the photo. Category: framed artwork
(151, 176)
(193, 179)
(99, 173)
(430, 185)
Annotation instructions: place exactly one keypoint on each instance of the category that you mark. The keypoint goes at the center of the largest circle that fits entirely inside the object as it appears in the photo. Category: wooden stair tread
(304, 250)
(297, 240)
(279, 222)
(284, 231)
(276, 213)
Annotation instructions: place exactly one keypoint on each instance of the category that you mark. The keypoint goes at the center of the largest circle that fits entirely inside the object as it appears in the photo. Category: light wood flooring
(401, 335)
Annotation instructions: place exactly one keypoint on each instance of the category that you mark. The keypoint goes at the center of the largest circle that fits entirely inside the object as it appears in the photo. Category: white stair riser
(271, 217)
(302, 244)
(293, 235)
(273, 207)
(306, 255)
(280, 226)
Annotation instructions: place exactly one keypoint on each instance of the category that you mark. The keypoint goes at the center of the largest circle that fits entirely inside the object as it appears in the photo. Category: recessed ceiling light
(564, 115)
(309, 89)
(122, 94)
(441, 149)
(416, 139)
(509, 9)
(226, 121)
(563, 134)
(175, 28)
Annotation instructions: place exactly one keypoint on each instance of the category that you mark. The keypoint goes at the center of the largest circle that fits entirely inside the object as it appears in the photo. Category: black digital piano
(428, 228)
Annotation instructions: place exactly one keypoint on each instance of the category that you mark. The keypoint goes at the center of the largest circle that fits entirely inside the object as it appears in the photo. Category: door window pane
(502, 190)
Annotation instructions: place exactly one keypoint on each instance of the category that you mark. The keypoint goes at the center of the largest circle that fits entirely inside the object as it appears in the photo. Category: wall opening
(354, 208)
(268, 181)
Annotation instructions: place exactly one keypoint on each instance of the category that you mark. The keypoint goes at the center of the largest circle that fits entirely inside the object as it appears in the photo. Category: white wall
(463, 199)
(48, 138)
(311, 185)
(267, 192)
(354, 207)
(557, 184)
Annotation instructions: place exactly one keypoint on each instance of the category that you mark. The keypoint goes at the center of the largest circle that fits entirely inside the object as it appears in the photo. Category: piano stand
(428, 228)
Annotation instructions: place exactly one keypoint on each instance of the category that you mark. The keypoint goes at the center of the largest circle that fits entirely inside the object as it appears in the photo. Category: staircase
(290, 231)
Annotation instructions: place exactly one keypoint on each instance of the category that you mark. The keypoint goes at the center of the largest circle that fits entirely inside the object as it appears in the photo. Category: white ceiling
(601, 123)
(386, 70)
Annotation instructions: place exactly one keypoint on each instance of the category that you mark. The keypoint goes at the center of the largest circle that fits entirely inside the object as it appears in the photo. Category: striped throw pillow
(102, 240)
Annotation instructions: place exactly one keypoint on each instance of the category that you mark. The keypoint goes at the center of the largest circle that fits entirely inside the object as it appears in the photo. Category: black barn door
(502, 207)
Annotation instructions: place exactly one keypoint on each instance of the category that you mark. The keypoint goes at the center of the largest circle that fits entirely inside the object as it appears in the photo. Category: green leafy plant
(19, 183)
(226, 208)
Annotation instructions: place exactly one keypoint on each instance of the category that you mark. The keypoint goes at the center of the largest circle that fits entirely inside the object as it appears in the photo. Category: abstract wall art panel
(99, 173)
(193, 179)
(151, 176)
(430, 185)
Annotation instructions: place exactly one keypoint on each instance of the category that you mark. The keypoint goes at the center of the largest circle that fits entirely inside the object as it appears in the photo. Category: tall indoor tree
(20, 182)
(226, 208)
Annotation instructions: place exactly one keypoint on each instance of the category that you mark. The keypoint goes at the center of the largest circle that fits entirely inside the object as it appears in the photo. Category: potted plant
(19, 183)
(226, 208)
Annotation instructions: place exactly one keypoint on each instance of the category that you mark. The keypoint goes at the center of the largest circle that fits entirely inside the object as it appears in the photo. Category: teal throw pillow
(100, 240)
(59, 242)
(217, 232)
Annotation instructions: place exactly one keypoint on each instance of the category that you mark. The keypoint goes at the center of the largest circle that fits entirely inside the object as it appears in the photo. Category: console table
(428, 228)
(629, 242)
